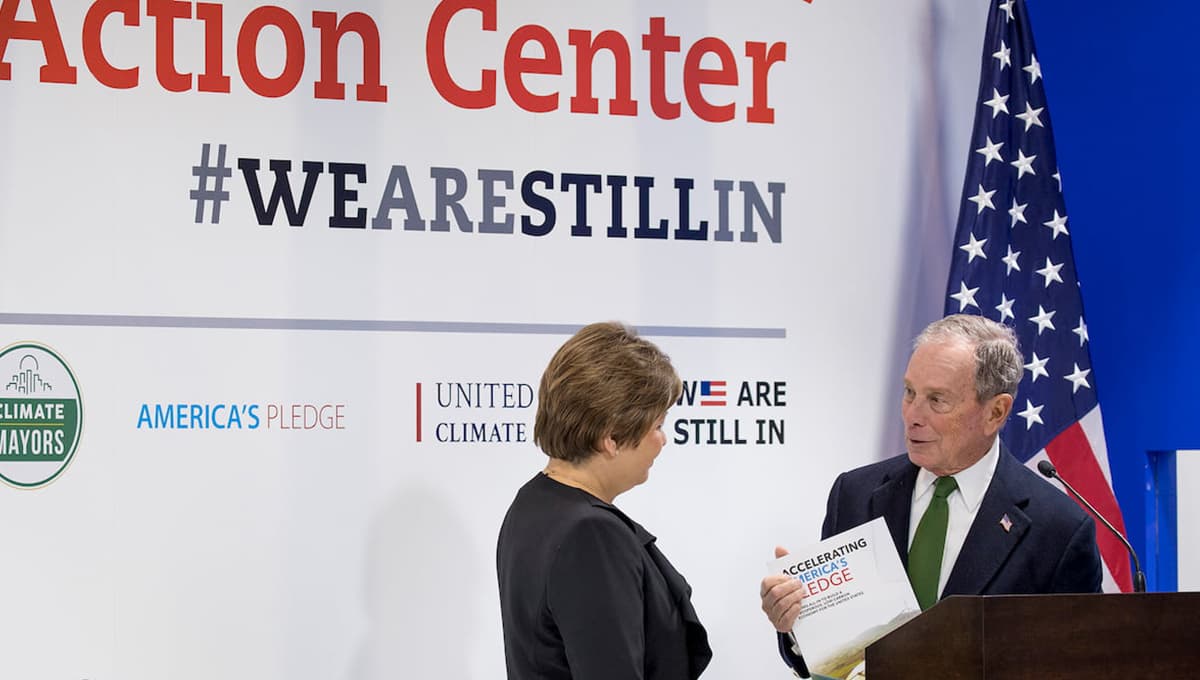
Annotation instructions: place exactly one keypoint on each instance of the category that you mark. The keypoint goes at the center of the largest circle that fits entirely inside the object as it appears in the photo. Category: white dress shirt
(963, 502)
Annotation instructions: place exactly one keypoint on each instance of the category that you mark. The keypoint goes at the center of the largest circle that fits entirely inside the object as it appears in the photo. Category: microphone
(1139, 578)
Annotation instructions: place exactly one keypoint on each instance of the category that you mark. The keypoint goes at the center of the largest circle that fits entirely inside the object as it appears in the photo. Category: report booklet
(856, 591)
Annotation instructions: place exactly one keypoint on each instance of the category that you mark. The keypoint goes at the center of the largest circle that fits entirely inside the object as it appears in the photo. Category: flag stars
(1050, 273)
(1011, 260)
(1007, 7)
(1037, 367)
(1034, 69)
(1031, 414)
(990, 151)
(1031, 116)
(1042, 319)
(973, 249)
(1004, 54)
(1023, 164)
(1081, 331)
(1017, 212)
(1017, 69)
(1058, 225)
(1078, 378)
(983, 199)
(998, 103)
(965, 296)
(1005, 306)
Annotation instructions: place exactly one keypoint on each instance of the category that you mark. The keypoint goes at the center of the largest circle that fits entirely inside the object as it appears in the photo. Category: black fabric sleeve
(793, 660)
(1080, 569)
(595, 595)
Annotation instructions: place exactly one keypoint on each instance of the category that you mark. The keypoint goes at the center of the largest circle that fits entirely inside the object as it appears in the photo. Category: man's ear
(998, 409)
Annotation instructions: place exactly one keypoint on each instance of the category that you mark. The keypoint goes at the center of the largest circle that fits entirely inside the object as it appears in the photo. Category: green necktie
(925, 554)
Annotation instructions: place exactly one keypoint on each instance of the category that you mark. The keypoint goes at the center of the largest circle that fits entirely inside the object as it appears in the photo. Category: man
(1006, 530)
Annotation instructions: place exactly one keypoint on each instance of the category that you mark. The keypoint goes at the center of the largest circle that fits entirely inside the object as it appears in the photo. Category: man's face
(945, 427)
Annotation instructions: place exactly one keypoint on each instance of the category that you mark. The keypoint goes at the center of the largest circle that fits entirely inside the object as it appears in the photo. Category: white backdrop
(1187, 476)
(365, 548)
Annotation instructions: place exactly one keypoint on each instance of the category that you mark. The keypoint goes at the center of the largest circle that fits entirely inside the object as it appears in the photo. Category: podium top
(997, 637)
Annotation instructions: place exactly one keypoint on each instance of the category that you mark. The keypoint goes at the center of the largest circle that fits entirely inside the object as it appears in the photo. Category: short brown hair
(603, 381)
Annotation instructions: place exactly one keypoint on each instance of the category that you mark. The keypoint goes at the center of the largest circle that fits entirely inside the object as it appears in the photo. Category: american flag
(712, 392)
(1013, 263)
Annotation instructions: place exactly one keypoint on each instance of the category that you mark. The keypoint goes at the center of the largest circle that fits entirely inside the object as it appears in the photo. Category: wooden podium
(1144, 635)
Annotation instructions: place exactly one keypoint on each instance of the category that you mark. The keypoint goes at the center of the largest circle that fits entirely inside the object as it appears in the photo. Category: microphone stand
(1139, 577)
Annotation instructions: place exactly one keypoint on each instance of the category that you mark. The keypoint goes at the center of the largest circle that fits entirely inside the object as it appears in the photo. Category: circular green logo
(40, 415)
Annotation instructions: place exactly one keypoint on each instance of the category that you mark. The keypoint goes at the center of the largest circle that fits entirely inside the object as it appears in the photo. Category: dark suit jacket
(1050, 546)
(586, 595)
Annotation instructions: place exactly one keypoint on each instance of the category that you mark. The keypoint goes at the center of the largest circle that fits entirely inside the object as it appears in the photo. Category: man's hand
(781, 595)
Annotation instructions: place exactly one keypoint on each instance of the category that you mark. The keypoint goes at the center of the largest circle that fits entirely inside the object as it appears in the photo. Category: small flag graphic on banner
(712, 392)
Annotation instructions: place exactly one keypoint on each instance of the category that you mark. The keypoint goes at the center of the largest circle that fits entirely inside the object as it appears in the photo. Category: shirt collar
(972, 482)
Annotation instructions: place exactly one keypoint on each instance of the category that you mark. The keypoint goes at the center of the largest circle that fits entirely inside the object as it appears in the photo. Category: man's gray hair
(998, 361)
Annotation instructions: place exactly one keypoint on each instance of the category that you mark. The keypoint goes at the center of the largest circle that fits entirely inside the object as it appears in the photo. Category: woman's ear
(608, 446)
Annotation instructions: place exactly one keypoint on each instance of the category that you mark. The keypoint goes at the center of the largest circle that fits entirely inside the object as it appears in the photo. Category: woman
(584, 592)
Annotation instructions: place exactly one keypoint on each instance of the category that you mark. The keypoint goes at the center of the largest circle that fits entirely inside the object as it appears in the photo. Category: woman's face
(638, 458)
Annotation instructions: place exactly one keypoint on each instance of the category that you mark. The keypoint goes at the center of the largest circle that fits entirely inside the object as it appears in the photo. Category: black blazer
(586, 595)
(1048, 547)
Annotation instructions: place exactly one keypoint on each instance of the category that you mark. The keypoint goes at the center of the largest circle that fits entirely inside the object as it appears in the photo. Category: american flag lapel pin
(1006, 523)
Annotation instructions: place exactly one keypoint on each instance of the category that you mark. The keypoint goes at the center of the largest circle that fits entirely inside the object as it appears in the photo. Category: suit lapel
(892, 500)
(998, 527)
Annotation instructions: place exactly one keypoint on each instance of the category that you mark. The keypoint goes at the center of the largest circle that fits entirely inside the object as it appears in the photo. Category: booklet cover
(856, 591)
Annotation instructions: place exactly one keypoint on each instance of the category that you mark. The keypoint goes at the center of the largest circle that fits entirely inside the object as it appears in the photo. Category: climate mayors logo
(40, 415)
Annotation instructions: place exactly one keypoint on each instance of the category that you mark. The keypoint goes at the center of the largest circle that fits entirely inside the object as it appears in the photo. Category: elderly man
(967, 518)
